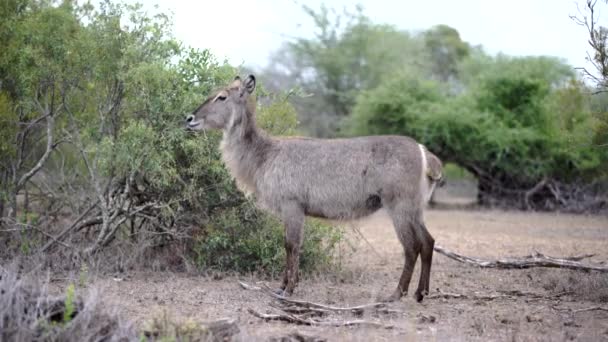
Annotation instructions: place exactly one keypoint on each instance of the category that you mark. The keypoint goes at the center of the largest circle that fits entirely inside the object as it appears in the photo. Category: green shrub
(244, 239)
(120, 85)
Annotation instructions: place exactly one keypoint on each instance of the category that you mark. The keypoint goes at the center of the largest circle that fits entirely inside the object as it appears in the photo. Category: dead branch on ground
(299, 337)
(295, 319)
(357, 310)
(249, 287)
(510, 294)
(528, 261)
(308, 313)
(573, 311)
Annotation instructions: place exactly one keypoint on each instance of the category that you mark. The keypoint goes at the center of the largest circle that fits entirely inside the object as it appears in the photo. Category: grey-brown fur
(334, 179)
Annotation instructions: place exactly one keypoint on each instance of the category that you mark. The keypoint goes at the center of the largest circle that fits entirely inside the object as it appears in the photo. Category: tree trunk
(3, 194)
(12, 212)
(26, 204)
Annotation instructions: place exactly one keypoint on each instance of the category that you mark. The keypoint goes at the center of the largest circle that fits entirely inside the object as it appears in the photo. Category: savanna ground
(369, 263)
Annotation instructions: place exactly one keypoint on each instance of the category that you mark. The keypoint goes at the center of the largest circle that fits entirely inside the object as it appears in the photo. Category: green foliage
(119, 84)
(513, 129)
(452, 171)
(394, 105)
(348, 53)
(279, 117)
(69, 310)
(446, 50)
(243, 239)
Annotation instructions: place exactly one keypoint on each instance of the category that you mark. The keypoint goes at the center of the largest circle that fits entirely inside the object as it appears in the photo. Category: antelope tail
(432, 173)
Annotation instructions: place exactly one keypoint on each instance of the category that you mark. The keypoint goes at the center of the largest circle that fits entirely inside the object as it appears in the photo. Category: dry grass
(370, 268)
(591, 287)
(168, 304)
(29, 313)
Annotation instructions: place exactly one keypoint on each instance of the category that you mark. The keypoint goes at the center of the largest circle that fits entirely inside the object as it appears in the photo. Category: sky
(248, 31)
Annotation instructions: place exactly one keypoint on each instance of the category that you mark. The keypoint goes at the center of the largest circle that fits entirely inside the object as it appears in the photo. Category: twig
(298, 336)
(67, 230)
(510, 294)
(249, 287)
(354, 309)
(25, 226)
(297, 320)
(579, 257)
(535, 260)
(369, 244)
(301, 303)
(447, 295)
(593, 308)
(279, 317)
(302, 312)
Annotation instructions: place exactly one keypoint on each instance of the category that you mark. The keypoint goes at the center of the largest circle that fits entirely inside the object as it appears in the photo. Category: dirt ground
(373, 268)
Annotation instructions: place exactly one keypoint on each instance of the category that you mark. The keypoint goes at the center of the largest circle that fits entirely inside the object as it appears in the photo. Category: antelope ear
(236, 84)
(248, 85)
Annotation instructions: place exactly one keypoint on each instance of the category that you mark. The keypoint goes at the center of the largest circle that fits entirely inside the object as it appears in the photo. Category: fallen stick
(249, 287)
(298, 320)
(593, 308)
(579, 257)
(298, 336)
(510, 294)
(280, 317)
(529, 261)
(359, 309)
(447, 295)
(298, 310)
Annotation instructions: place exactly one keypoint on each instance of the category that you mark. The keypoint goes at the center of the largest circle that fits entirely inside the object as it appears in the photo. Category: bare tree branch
(598, 41)
(297, 320)
(50, 124)
(529, 261)
(32, 227)
(593, 308)
(74, 225)
(512, 294)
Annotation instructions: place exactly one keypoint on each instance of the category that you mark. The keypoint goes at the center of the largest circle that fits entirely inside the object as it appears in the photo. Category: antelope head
(222, 108)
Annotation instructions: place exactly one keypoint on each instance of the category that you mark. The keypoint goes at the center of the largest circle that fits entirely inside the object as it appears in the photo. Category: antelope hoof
(420, 295)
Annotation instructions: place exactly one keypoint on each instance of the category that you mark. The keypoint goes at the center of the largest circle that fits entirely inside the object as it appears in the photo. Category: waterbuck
(334, 179)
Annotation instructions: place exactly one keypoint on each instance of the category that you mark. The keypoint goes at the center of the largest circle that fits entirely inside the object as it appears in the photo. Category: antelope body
(333, 179)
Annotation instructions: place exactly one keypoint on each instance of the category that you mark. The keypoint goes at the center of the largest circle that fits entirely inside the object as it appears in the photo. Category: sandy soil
(373, 268)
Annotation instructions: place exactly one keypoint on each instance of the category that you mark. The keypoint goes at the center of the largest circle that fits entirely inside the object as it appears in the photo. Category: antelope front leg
(293, 218)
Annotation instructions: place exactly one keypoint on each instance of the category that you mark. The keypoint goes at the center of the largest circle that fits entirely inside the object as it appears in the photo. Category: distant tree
(92, 103)
(598, 42)
(347, 54)
(36, 71)
(446, 50)
(588, 17)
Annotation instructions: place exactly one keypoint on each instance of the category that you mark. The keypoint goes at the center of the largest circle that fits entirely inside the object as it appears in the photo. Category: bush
(125, 172)
(29, 313)
(244, 239)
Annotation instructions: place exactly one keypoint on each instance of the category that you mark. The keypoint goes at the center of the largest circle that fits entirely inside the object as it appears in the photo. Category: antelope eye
(221, 97)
